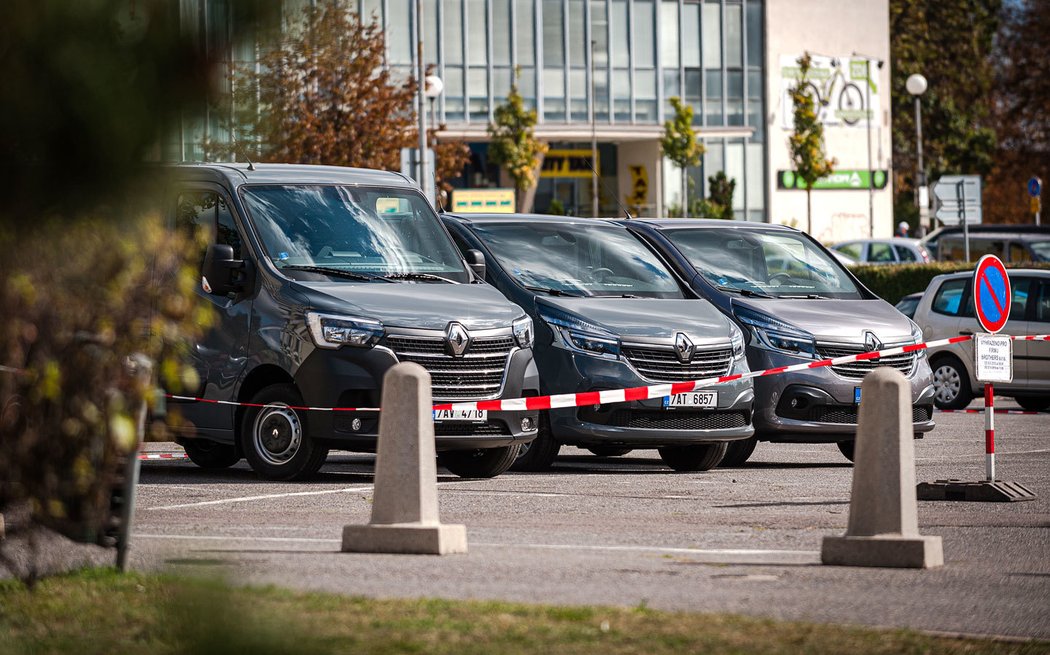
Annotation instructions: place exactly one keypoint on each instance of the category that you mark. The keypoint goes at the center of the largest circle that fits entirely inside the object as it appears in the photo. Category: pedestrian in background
(902, 229)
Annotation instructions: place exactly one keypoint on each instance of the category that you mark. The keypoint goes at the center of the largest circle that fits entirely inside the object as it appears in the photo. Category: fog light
(355, 424)
(527, 424)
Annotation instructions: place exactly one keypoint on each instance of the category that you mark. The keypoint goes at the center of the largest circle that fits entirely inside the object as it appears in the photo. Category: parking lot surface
(627, 531)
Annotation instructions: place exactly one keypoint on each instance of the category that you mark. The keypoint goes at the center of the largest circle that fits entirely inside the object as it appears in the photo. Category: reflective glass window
(734, 36)
(644, 37)
(553, 33)
(620, 49)
(525, 32)
(501, 32)
(711, 25)
(669, 34)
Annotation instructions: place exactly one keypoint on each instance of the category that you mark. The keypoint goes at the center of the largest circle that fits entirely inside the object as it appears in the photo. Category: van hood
(841, 321)
(417, 306)
(647, 319)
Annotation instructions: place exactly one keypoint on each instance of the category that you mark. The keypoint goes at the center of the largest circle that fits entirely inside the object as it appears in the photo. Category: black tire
(209, 454)
(738, 452)
(609, 451)
(1033, 403)
(538, 454)
(952, 383)
(275, 440)
(703, 457)
(846, 448)
(485, 463)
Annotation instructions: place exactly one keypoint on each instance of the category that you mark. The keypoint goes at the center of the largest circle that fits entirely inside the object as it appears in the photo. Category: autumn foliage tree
(514, 145)
(806, 142)
(680, 145)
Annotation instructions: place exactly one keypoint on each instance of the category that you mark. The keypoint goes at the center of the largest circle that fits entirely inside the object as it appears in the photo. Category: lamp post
(916, 86)
(432, 88)
(423, 173)
(871, 114)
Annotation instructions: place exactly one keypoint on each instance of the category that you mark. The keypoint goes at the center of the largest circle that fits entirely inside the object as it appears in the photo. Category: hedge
(892, 282)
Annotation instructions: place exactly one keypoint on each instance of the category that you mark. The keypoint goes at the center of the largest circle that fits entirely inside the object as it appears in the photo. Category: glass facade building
(605, 68)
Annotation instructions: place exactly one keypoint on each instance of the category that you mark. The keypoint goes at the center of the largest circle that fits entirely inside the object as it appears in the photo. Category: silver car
(946, 310)
(796, 304)
(896, 250)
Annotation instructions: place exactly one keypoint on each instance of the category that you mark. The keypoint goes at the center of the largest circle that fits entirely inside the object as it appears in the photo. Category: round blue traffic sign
(1035, 186)
(991, 293)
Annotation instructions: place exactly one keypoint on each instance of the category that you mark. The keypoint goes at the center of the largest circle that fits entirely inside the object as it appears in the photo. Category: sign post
(1035, 188)
(993, 361)
(959, 203)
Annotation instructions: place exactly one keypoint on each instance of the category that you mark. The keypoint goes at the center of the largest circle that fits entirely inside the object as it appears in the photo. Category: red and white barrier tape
(152, 456)
(997, 411)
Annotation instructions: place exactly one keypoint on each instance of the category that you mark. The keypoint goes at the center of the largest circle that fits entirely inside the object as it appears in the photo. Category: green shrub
(893, 282)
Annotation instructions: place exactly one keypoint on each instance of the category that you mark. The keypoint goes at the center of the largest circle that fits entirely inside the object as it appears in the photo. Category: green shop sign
(841, 179)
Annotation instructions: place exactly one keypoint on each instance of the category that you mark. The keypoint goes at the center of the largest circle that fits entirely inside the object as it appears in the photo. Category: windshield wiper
(417, 276)
(806, 296)
(554, 292)
(335, 272)
(748, 293)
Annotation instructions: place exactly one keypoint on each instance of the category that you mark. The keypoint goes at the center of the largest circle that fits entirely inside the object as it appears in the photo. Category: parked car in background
(1011, 243)
(796, 304)
(610, 315)
(896, 250)
(908, 303)
(946, 310)
(843, 258)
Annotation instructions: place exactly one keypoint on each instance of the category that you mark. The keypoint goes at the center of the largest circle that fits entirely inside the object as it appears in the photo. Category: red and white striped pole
(989, 431)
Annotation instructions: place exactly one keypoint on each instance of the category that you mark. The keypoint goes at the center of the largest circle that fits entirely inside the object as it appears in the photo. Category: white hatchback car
(946, 310)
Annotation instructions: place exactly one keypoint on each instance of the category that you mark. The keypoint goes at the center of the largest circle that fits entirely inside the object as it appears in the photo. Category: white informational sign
(994, 358)
(845, 90)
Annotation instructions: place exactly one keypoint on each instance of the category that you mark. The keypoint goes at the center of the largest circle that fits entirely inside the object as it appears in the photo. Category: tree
(513, 144)
(721, 195)
(806, 142)
(680, 145)
(322, 95)
(951, 44)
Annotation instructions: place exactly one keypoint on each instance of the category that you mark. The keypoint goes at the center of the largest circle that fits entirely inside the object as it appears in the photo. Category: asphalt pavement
(628, 531)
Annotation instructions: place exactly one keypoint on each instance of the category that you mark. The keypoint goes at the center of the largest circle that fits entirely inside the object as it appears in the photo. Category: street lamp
(916, 85)
(871, 114)
(432, 88)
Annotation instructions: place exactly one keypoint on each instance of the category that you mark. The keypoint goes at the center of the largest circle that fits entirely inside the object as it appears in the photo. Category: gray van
(796, 304)
(610, 315)
(321, 279)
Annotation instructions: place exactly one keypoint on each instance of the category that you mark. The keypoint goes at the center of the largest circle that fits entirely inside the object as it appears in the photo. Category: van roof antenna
(251, 166)
(619, 204)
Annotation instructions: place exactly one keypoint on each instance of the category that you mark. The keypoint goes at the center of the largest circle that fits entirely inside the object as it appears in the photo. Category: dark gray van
(321, 279)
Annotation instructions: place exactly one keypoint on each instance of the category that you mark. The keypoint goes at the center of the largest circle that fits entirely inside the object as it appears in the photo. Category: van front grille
(663, 365)
(904, 362)
(477, 375)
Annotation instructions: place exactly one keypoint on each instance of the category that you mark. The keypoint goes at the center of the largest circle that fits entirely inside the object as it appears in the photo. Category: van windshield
(363, 232)
(578, 260)
(773, 263)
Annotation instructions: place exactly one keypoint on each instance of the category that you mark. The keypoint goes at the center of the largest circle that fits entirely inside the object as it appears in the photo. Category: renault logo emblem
(683, 347)
(457, 338)
(871, 342)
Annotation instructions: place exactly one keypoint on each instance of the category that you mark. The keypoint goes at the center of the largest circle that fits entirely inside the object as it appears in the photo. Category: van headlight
(575, 334)
(331, 331)
(777, 335)
(916, 337)
(523, 332)
(736, 338)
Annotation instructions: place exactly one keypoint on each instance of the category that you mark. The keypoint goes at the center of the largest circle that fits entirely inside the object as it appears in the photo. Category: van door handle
(966, 333)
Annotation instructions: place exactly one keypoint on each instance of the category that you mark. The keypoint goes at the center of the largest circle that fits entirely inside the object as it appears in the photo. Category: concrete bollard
(883, 512)
(404, 506)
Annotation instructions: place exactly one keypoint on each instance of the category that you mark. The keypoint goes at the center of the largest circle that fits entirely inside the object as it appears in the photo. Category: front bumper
(644, 423)
(352, 377)
(818, 405)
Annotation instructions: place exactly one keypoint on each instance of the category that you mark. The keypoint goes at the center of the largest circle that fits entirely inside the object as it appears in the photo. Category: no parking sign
(991, 293)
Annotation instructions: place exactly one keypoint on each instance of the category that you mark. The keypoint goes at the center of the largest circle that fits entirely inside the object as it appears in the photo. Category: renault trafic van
(321, 279)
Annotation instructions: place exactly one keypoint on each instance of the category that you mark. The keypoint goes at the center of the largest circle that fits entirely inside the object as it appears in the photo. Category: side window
(905, 254)
(880, 252)
(1019, 291)
(949, 297)
(1018, 253)
(979, 248)
(461, 243)
(1042, 308)
(206, 215)
(850, 250)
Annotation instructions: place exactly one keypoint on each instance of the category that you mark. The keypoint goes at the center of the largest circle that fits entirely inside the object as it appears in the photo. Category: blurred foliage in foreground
(151, 614)
(87, 279)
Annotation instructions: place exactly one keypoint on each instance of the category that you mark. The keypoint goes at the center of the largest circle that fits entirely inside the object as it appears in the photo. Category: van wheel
(703, 457)
(846, 448)
(484, 463)
(609, 451)
(737, 452)
(275, 438)
(1033, 403)
(952, 384)
(209, 454)
(538, 454)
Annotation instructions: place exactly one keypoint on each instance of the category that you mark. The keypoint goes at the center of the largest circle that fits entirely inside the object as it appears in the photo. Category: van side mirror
(223, 273)
(476, 261)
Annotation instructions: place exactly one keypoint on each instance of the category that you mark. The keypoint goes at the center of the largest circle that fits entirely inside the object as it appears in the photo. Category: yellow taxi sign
(483, 201)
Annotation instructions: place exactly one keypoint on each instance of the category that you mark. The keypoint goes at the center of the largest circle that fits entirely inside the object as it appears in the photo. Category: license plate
(856, 395)
(461, 415)
(692, 399)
